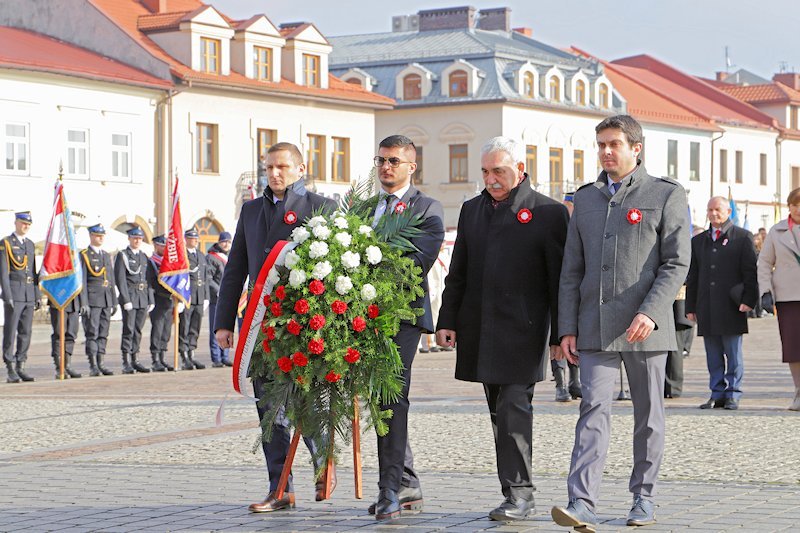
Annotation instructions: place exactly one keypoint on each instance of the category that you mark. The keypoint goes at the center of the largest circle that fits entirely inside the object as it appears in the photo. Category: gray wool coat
(614, 268)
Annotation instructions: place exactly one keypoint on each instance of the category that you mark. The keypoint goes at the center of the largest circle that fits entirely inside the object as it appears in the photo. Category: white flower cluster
(351, 260)
(321, 269)
(344, 238)
(300, 234)
(374, 255)
(318, 249)
(364, 230)
(321, 232)
(291, 259)
(296, 278)
(343, 285)
(368, 292)
(316, 221)
(340, 222)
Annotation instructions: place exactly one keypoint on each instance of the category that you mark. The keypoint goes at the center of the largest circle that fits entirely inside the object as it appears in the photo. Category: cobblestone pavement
(142, 452)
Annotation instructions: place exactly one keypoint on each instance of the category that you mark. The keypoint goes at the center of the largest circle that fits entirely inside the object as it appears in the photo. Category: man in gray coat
(626, 257)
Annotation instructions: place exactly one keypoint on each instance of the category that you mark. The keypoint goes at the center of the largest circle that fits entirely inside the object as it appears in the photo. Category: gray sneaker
(642, 513)
(576, 515)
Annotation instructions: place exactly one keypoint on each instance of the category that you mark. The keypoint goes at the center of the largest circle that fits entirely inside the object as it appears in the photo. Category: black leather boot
(138, 366)
(164, 363)
(186, 363)
(93, 370)
(562, 395)
(103, 370)
(21, 372)
(68, 368)
(12, 374)
(198, 365)
(157, 366)
(126, 365)
(575, 382)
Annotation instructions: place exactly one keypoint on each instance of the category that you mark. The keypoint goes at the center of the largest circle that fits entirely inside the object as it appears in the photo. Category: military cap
(160, 239)
(24, 216)
(136, 232)
(191, 233)
(224, 236)
(97, 229)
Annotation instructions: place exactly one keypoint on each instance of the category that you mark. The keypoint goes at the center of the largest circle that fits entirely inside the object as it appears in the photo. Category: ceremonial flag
(174, 272)
(61, 276)
(734, 212)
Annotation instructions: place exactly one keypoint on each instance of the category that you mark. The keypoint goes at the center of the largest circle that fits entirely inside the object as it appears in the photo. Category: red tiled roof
(161, 21)
(766, 93)
(27, 50)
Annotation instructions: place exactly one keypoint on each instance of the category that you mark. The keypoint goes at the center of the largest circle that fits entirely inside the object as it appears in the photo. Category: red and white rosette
(400, 207)
(290, 218)
(634, 216)
(256, 309)
(524, 215)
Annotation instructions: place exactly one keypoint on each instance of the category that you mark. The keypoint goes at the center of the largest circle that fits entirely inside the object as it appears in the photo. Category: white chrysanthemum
(374, 255)
(368, 292)
(273, 277)
(343, 285)
(292, 258)
(351, 260)
(364, 230)
(344, 238)
(296, 278)
(316, 221)
(318, 249)
(340, 222)
(321, 269)
(300, 234)
(321, 232)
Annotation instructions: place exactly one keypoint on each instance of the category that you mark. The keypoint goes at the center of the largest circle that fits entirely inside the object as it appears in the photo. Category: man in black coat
(262, 223)
(398, 483)
(97, 299)
(721, 289)
(500, 304)
(130, 272)
(191, 317)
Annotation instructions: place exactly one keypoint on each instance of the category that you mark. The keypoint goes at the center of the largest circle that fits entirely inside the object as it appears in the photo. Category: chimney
(722, 76)
(498, 18)
(155, 6)
(448, 18)
(527, 32)
(792, 79)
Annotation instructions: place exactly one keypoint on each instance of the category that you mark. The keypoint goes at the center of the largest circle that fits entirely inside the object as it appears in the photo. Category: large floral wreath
(338, 299)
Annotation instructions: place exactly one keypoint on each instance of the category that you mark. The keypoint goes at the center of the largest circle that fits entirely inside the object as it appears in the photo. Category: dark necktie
(615, 187)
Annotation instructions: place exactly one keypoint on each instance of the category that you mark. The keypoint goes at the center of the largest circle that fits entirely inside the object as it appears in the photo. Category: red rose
(316, 346)
(524, 215)
(316, 287)
(265, 346)
(373, 311)
(338, 307)
(352, 356)
(267, 299)
(270, 333)
(301, 306)
(264, 327)
(285, 364)
(332, 377)
(280, 292)
(399, 208)
(294, 327)
(290, 217)
(275, 308)
(359, 324)
(634, 216)
(299, 359)
(317, 322)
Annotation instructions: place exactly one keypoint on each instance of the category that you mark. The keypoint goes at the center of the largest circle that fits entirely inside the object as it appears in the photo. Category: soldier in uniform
(97, 299)
(192, 316)
(130, 271)
(20, 282)
(161, 314)
(71, 311)
(217, 258)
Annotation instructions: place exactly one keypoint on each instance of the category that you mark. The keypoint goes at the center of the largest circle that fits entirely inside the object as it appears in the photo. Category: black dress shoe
(227, 362)
(513, 509)
(716, 404)
(217, 364)
(410, 500)
(731, 404)
(388, 506)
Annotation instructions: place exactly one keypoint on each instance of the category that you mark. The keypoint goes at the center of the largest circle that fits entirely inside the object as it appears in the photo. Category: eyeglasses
(394, 162)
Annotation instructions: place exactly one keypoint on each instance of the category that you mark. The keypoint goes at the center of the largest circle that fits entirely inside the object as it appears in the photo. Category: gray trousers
(599, 371)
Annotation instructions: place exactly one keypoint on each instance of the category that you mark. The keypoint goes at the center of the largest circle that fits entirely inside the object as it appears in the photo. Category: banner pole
(175, 328)
(61, 344)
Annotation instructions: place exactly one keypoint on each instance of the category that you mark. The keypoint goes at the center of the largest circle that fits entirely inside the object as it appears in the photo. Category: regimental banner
(174, 272)
(61, 276)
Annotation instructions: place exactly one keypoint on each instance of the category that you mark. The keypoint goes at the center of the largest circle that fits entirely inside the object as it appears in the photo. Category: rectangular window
(694, 161)
(209, 55)
(739, 166)
(266, 138)
(207, 147)
(262, 66)
(530, 163)
(16, 143)
(723, 165)
(556, 173)
(120, 155)
(458, 163)
(672, 159)
(340, 164)
(316, 157)
(310, 70)
(577, 165)
(417, 178)
(78, 153)
(762, 169)
(795, 177)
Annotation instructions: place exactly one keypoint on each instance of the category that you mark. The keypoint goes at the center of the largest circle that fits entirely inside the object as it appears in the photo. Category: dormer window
(462, 78)
(555, 88)
(353, 81)
(458, 83)
(262, 63)
(412, 87)
(602, 93)
(209, 55)
(529, 85)
(415, 82)
(580, 92)
(311, 70)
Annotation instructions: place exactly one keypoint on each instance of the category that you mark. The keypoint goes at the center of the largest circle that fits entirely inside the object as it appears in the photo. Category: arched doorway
(122, 224)
(209, 230)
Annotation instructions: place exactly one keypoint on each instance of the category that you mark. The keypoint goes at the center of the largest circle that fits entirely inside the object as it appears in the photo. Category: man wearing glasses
(396, 162)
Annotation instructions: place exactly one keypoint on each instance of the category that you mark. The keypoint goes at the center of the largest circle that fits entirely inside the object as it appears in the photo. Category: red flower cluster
(294, 327)
(265, 346)
(270, 333)
(299, 359)
(359, 324)
(285, 364)
(317, 322)
(352, 355)
(275, 309)
(338, 307)
(280, 292)
(267, 299)
(301, 306)
(316, 287)
(373, 311)
(264, 327)
(316, 346)
(332, 377)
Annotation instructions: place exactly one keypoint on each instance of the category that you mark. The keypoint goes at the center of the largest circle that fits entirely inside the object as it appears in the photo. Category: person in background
(97, 299)
(191, 317)
(217, 258)
(130, 271)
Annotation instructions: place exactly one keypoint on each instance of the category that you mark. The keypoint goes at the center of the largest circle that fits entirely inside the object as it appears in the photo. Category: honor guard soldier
(97, 299)
(161, 314)
(20, 283)
(217, 258)
(130, 271)
(192, 316)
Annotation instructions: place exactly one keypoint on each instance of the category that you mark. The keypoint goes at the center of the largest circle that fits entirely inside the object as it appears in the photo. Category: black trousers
(132, 324)
(673, 378)
(95, 327)
(70, 333)
(17, 327)
(191, 320)
(395, 459)
(512, 423)
(160, 325)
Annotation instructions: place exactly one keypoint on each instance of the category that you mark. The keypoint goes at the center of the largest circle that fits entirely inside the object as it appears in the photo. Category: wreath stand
(287, 466)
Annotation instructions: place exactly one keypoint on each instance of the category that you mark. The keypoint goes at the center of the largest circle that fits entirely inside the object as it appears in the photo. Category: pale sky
(688, 34)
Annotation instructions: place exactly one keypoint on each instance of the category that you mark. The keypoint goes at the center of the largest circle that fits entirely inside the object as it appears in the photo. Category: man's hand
(151, 307)
(744, 308)
(10, 304)
(569, 349)
(446, 338)
(692, 317)
(641, 327)
(224, 338)
(85, 310)
(556, 354)
(128, 306)
(205, 305)
(181, 307)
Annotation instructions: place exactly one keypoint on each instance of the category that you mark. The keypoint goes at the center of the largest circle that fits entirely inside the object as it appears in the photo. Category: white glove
(128, 306)
(181, 307)
(151, 307)
(205, 305)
